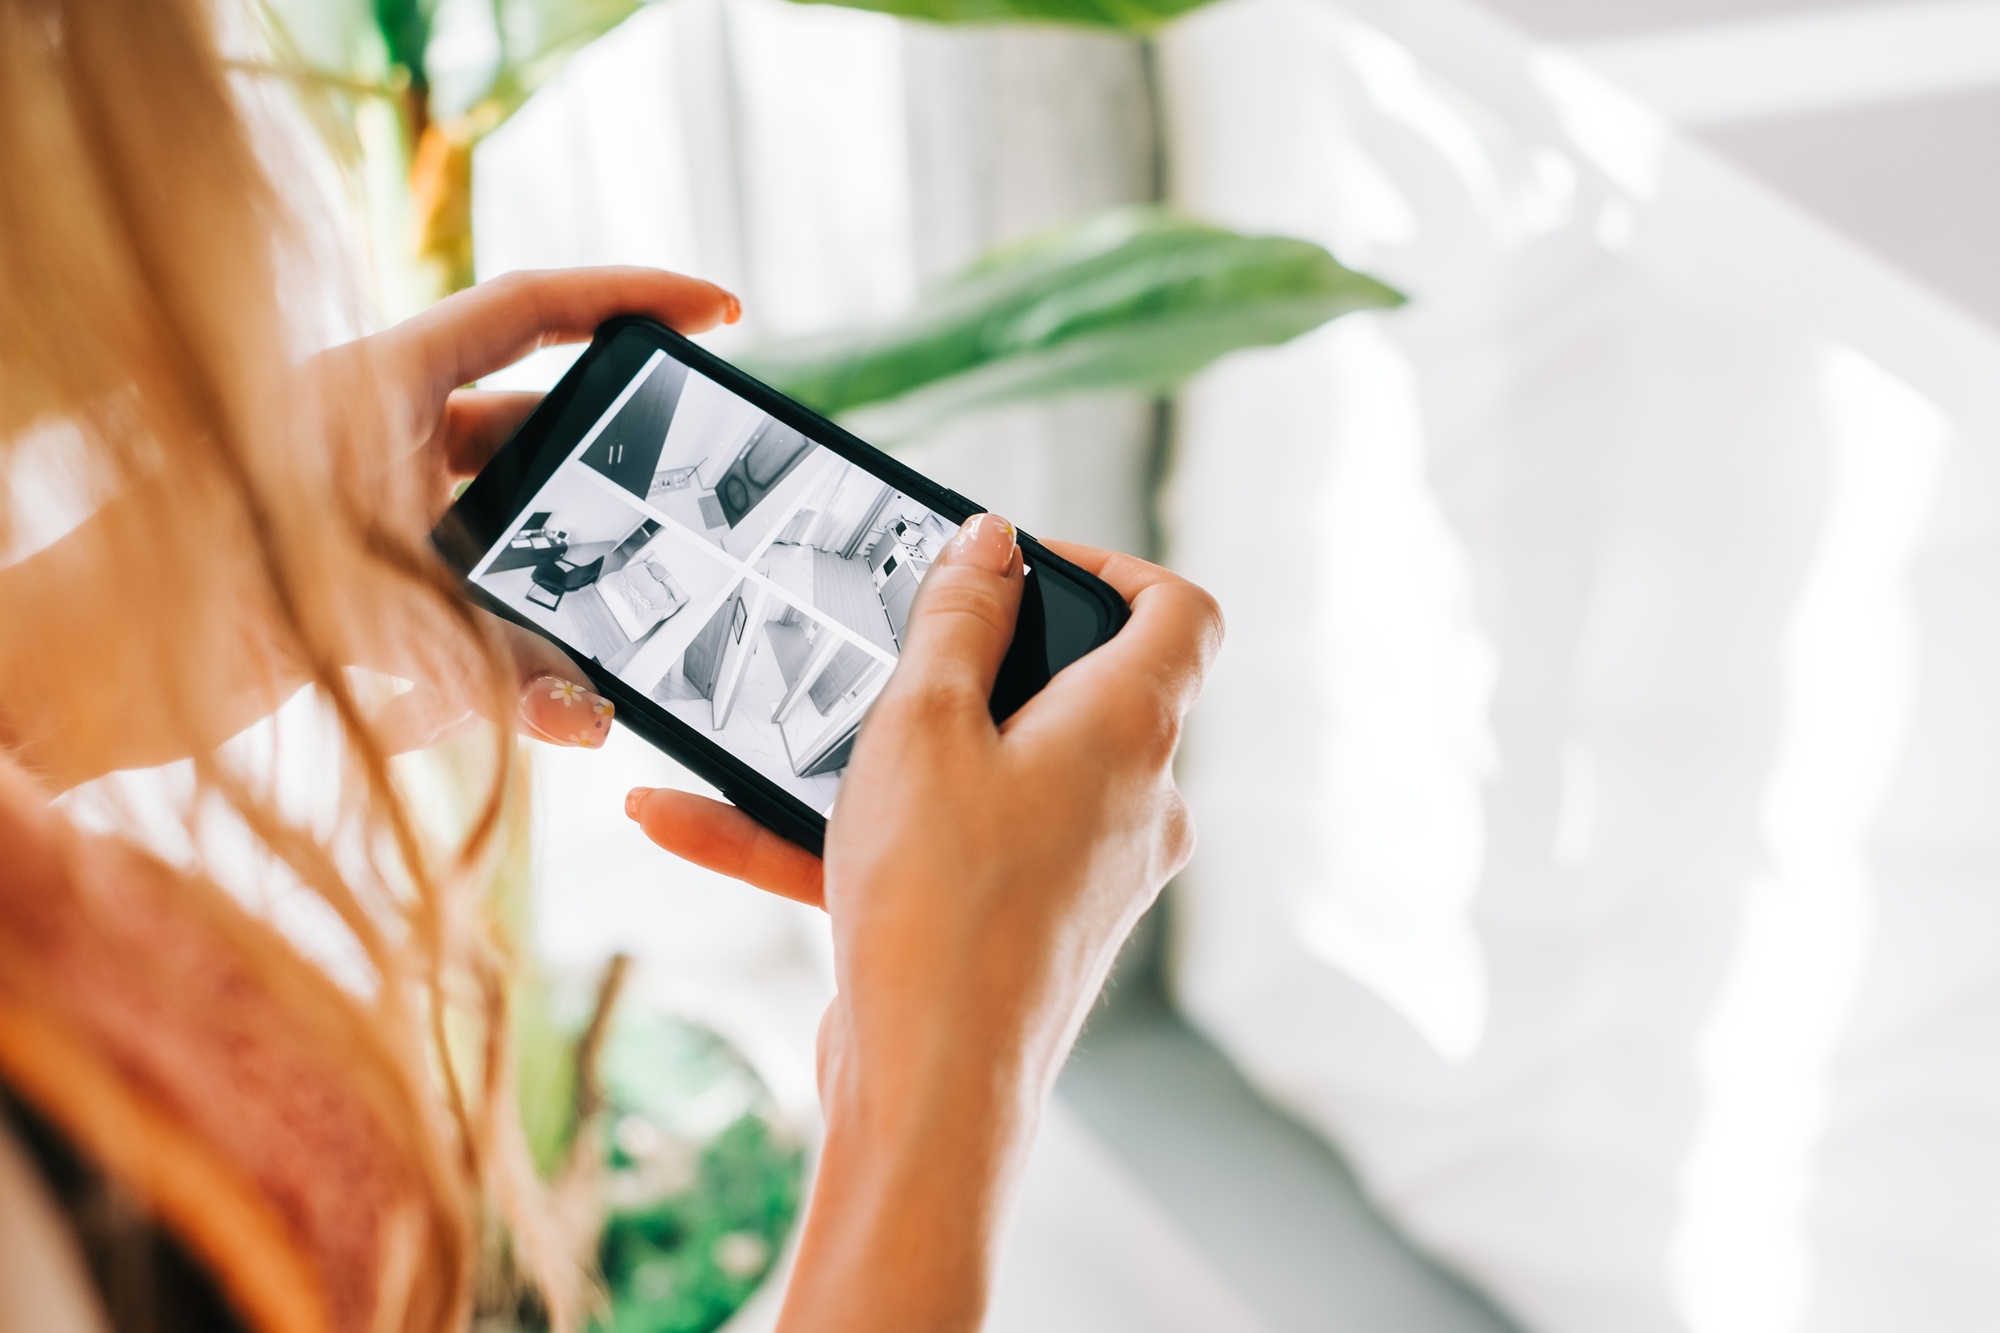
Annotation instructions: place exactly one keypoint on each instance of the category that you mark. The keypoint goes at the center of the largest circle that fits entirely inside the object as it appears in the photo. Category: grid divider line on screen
(739, 566)
(597, 428)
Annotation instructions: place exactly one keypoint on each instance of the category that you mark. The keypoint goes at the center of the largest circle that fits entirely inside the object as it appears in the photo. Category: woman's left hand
(450, 431)
(425, 363)
(419, 371)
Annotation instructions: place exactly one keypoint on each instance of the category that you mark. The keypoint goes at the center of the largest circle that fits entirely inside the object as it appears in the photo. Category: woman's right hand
(980, 881)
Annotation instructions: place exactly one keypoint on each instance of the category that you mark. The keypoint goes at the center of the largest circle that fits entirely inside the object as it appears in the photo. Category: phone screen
(754, 584)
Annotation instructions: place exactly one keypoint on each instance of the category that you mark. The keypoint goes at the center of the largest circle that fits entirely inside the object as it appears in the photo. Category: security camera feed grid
(750, 581)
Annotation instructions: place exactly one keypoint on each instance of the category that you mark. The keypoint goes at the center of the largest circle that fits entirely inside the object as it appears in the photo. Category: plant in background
(361, 55)
(703, 1178)
(666, 1142)
(1134, 299)
(665, 1157)
(1125, 301)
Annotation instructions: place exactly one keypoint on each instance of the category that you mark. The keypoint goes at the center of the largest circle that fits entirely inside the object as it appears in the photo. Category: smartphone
(732, 570)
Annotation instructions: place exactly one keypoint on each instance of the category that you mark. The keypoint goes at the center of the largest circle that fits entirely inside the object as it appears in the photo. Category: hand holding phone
(734, 572)
(980, 878)
(1003, 817)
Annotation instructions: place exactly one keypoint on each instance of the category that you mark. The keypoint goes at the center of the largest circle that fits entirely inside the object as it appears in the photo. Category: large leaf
(1125, 15)
(1132, 299)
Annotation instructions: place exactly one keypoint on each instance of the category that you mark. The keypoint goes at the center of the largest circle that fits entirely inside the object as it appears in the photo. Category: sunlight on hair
(44, 487)
(294, 756)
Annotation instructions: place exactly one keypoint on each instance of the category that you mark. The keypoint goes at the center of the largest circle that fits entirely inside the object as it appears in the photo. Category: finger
(548, 696)
(564, 712)
(553, 701)
(1127, 574)
(719, 837)
(476, 423)
(1173, 636)
(493, 325)
(963, 618)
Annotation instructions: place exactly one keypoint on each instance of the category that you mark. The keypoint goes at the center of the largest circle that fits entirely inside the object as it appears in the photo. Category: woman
(199, 1127)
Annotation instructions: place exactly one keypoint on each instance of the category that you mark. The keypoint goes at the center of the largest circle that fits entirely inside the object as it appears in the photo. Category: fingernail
(566, 713)
(634, 799)
(985, 540)
(735, 308)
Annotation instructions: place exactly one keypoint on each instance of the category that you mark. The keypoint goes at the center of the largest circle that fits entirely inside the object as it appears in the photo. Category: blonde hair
(158, 294)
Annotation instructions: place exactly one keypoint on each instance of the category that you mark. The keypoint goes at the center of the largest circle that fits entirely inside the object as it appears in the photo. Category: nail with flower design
(565, 712)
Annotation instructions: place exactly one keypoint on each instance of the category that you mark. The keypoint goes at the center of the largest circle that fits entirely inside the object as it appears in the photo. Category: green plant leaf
(1139, 16)
(406, 31)
(1133, 299)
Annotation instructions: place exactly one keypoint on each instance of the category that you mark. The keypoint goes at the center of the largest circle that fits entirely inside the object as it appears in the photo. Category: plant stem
(590, 1047)
(309, 77)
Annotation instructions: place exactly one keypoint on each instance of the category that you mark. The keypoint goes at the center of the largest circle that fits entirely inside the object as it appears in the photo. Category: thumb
(963, 619)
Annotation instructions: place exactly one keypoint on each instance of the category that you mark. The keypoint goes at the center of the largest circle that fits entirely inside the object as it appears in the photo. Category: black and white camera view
(752, 582)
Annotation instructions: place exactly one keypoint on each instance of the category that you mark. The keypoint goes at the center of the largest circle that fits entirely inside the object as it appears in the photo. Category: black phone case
(526, 461)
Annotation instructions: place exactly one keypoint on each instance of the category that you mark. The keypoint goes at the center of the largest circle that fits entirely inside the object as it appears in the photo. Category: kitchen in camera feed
(750, 581)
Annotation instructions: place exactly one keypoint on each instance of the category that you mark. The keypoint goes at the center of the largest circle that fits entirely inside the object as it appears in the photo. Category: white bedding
(1598, 791)
(641, 595)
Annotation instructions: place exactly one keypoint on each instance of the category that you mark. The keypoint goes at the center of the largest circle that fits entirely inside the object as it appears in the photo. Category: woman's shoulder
(79, 1253)
(173, 1043)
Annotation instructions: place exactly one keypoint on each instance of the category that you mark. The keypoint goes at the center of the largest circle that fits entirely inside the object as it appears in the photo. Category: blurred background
(1597, 918)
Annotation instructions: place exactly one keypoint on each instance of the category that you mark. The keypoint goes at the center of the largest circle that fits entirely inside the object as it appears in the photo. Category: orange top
(242, 1105)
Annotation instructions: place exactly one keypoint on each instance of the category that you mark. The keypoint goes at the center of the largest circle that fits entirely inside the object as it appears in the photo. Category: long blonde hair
(158, 296)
